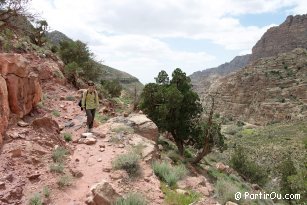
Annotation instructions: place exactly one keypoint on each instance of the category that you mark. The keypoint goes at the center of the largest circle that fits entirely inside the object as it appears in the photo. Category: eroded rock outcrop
(4, 107)
(20, 87)
(283, 38)
(24, 90)
(269, 90)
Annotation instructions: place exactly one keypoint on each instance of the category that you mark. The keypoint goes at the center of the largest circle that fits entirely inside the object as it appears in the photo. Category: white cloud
(129, 34)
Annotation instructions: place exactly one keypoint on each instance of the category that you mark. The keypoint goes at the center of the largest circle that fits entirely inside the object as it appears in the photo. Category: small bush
(248, 132)
(101, 118)
(226, 191)
(59, 154)
(169, 174)
(131, 199)
(58, 74)
(232, 130)
(173, 155)
(113, 87)
(125, 129)
(248, 168)
(174, 198)
(40, 104)
(57, 167)
(36, 200)
(70, 98)
(64, 181)
(240, 123)
(305, 142)
(167, 144)
(56, 113)
(67, 137)
(46, 192)
(291, 181)
(128, 162)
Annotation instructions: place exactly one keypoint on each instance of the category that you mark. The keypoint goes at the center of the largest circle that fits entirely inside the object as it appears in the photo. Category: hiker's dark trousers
(90, 117)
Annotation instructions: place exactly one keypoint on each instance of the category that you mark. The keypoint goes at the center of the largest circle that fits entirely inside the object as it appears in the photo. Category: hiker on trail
(90, 103)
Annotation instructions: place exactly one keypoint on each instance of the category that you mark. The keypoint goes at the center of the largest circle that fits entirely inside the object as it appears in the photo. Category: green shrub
(70, 98)
(46, 192)
(174, 198)
(58, 74)
(56, 113)
(226, 190)
(35, 200)
(291, 181)
(113, 87)
(124, 128)
(40, 104)
(240, 123)
(57, 167)
(305, 142)
(67, 137)
(64, 181)
(189, 153)
(131, 199)
(232, 130)
(249, 169)
(169, 174)
(59, 154)
(248, 132)
(173, 155)
(298, 184)
(128, 162)
(101, 118)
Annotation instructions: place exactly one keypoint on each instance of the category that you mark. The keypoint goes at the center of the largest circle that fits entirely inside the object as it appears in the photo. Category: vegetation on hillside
(175, 108)
(273, 157)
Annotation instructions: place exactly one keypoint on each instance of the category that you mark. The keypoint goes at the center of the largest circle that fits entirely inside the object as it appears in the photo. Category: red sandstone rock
(4, 107)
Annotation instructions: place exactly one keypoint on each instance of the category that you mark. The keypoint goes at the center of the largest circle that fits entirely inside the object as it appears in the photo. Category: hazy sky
(143, 37)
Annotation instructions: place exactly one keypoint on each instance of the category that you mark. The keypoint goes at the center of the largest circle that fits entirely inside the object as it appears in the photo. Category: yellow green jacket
(91, 99)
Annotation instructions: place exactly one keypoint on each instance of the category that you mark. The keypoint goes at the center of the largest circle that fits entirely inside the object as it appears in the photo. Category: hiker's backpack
(80, 101)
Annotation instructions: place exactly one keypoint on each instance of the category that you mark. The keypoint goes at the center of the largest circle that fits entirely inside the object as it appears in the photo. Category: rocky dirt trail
(27, 155)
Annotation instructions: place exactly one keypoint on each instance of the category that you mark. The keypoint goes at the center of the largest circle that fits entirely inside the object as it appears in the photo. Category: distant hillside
(289, 35)
(269, 90)
(55, 37)
(128, 81)
(202, 79)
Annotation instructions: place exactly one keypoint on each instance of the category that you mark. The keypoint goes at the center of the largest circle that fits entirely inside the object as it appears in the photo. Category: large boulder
(46, 124)
(144, 126)
(4, 107)
(24, 89)
(104, 194)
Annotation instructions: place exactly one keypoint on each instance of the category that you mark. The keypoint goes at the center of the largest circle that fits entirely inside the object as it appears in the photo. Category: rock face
(137, 123)
(283, 38)
(46, 124)
(269, 90)
(20, 88)
(24, 90)
(104, 194)
(201, 80)
(4, 107)
(144, 126)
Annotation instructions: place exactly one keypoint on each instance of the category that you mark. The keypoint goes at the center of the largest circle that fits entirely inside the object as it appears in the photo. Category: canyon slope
(270, 80)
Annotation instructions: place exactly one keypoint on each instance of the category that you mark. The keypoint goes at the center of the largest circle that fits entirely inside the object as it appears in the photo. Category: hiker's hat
(90, 83)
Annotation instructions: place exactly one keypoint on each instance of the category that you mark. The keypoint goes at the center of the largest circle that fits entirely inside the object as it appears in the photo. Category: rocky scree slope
(20, 88)
(202, 79)
(269, 90)
(289, 35)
